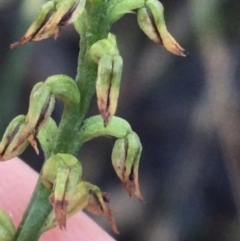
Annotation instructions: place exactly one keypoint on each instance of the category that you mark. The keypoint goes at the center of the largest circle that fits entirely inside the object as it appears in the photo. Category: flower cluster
(62, 172)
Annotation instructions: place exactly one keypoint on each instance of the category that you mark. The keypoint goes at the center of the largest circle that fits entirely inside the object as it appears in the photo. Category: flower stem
(39, 206)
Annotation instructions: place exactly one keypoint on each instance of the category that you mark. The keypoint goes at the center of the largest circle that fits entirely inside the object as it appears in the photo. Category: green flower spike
(151, 21)
(125, 159)
(7, 228)
(61, 172)
(110, 63)
(12, 144)
(51, 17)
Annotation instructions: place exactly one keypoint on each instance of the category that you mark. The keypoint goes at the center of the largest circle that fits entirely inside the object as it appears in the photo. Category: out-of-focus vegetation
(185, 110)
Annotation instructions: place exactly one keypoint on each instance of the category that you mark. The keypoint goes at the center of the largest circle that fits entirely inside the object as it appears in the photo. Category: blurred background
(186, 112)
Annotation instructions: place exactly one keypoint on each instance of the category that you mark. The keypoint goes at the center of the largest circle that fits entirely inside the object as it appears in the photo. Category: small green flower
(105, 53)
(125, 159)
(88, 196)
(61, 172)
(108, 86)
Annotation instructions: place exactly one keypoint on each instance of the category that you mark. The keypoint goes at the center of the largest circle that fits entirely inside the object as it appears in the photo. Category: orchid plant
(60, 191)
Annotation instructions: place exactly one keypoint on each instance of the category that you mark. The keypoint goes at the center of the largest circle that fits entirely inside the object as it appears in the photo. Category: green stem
(39, 206)
(67, 130)
(87, 69)
(38, 211)
(95, 29)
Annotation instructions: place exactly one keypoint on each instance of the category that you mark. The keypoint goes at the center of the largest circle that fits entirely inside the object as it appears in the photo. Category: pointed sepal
(12, 143)
(151, 21)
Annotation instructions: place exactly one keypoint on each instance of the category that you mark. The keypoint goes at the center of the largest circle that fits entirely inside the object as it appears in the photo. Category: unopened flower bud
(151, 21)
(61, 172)
(7, 228)
(125, 159)
(12, 144)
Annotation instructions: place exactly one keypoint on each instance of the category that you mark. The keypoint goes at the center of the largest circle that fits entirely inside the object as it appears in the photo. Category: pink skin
(17, 181)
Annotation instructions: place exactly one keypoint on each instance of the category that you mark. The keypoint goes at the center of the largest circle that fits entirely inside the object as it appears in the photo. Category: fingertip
(17, 181)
